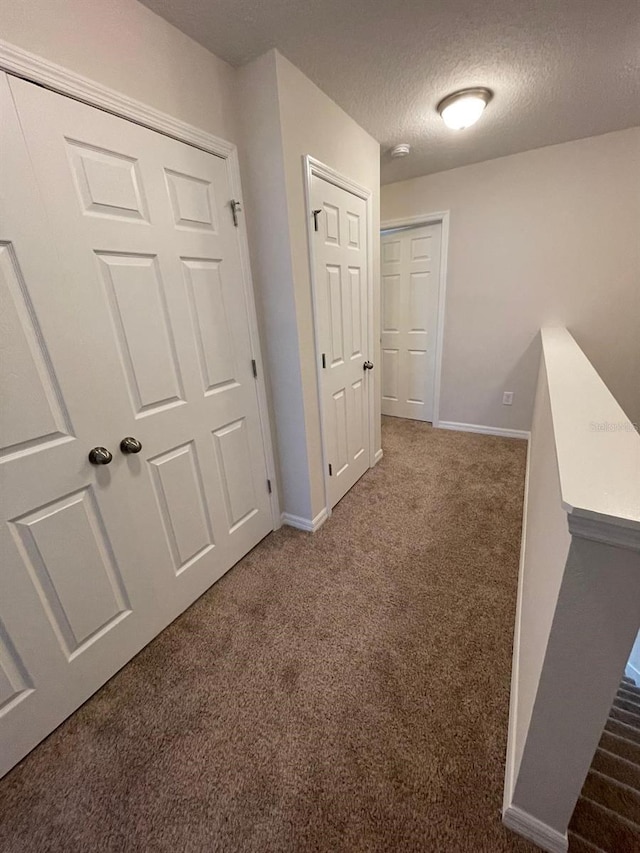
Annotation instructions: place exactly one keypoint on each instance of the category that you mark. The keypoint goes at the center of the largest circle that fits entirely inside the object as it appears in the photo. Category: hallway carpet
(339, 692)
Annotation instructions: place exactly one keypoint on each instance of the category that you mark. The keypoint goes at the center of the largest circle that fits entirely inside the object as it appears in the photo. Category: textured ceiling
(560, 69)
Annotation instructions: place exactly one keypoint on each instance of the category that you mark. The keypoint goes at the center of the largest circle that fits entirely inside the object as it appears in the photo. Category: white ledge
(597, 447)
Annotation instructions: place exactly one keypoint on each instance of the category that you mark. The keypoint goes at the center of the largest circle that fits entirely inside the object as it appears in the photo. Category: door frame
(35, 69)
(315, 168)
(406, 224)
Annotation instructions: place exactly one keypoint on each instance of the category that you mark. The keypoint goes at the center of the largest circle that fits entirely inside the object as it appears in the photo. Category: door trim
(408, 222)
(35, 69)
(315, 168)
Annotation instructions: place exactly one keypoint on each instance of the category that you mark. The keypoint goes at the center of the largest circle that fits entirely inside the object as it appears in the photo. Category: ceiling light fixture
(401, 150)
(464, 108)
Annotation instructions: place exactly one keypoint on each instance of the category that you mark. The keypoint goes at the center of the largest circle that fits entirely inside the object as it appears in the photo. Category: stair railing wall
(578, 610)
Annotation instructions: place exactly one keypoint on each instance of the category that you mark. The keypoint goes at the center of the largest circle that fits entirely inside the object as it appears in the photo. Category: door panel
(410, 285)
(125, 312)
(37, 417)
(342, 332)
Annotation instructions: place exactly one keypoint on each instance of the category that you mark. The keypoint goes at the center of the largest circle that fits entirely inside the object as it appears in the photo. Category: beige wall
(267, 216)
(313, 124)
(123, 45)
(285, 116)
(550, 236)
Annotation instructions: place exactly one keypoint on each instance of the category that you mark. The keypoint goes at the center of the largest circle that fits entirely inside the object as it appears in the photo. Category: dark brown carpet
(346, 691)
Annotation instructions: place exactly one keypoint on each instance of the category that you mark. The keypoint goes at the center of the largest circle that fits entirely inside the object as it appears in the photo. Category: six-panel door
(410, 284)
(127, 316)
(340, 281)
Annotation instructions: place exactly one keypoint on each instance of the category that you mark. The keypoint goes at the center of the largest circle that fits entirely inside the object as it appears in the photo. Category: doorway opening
(413, 282)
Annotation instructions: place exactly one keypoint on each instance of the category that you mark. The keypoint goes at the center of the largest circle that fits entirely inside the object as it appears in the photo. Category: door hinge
(330, 470)
(254, 367)
(324, 360)
(269, 486)
(236, 208)
(315, 214)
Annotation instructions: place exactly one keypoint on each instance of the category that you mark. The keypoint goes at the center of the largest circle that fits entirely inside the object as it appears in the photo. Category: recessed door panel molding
(334, 292)
(192, 201)
(341, 435)
(209, 316)
(391, 251)
(358, 317)
(357, 436)
(108, 183)
(15, 683)
(80, 588)
(234, 462)
(341, 284)
(139, 312)
(415, 370)
(419, 286)
(36, 417)
(332, 224)
(411, 283)
(180, 495)
(421, 248)
(391, 303)
(390, 366)
(353, 230)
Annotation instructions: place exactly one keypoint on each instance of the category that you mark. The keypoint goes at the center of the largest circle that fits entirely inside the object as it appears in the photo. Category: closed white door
(410, 286)
(340, 282)
(125, 316)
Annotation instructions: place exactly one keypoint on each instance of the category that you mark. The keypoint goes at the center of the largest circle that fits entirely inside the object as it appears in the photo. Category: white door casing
(340, 273)
(125, 314)
(410, 267)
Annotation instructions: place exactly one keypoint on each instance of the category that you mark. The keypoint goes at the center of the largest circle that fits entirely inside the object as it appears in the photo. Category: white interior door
(410, 286)
(125, 315)
(340, 282)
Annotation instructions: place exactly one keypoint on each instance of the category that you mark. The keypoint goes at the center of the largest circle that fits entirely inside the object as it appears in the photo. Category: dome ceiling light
(464, 108)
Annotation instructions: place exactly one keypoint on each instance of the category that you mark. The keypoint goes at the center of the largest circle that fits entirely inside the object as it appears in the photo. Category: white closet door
(129, 319)
(340, 280)
(76, 593)
(410, 285)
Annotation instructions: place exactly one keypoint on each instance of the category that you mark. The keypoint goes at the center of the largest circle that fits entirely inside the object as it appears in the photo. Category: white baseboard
(510, 768)
(484, 430)
(531, 828)
(377, 457)
(300, 523)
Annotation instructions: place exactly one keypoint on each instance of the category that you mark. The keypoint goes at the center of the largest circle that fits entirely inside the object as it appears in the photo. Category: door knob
(100, 456)
(130, 445)
(368, 365)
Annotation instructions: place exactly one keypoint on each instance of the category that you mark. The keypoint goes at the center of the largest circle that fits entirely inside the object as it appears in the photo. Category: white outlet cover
(507, 398)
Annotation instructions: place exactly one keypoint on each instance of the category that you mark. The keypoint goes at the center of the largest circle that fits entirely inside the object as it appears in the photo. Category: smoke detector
(401, 150)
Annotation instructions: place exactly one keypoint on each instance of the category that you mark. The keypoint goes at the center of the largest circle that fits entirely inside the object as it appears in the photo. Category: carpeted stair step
(628, 700)
(630, 688)
(617, 768)
(620, 746)
(604, 828)
(623, 730)
(577, 844)
(624, 716)
(628, 680)
(614, 795)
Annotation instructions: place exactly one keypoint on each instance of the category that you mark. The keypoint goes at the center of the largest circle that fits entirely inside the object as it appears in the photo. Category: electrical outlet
(507, 398)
